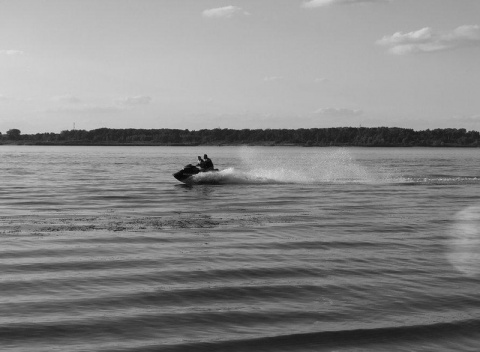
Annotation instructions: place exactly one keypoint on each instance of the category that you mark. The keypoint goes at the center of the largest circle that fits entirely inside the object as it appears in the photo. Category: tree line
(335, 136)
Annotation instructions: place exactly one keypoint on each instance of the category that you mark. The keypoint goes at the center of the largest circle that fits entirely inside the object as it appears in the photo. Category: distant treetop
(13, 133)
(336, 136)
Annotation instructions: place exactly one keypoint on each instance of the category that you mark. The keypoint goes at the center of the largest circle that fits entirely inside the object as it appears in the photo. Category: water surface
(289, 249)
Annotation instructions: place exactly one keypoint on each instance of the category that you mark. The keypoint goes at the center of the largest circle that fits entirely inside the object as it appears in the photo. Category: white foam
(326, 166)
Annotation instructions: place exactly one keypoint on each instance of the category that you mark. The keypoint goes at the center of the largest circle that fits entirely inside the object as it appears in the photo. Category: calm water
(293, 249)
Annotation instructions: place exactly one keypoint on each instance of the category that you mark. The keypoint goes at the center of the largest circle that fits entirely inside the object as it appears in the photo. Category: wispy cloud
(224, 12)
(72, 104)
(11, 99)
(467, 118)
(338, 112)
(86, 109)
(11, 52)
(324, 3)
(66, 99)
(133, 101)
(272, 78)
(426, 40)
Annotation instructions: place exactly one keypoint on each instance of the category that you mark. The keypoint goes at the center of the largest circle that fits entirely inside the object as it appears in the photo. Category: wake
(282, 175)
(336, 166)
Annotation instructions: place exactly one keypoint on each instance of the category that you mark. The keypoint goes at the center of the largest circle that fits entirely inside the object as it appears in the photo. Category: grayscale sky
(239, 64)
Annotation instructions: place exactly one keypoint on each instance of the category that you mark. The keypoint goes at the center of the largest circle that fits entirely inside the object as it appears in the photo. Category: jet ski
(186, 174)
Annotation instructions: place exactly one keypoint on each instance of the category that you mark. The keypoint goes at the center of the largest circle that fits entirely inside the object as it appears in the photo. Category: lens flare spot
(464, 243)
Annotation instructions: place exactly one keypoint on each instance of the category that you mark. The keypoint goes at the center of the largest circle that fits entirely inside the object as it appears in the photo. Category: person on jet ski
(208, 163)
(201, 163)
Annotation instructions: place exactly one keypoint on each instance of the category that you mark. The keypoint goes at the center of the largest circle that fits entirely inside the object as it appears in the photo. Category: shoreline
(314, 137)
(266, 144)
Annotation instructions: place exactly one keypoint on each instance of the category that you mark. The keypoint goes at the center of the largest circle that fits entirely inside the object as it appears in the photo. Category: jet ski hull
(186, 174)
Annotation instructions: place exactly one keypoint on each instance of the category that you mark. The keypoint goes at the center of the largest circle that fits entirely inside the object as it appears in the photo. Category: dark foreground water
(293, 249)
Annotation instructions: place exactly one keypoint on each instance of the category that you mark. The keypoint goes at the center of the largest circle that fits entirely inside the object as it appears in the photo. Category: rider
(208, 162)
(201, 163)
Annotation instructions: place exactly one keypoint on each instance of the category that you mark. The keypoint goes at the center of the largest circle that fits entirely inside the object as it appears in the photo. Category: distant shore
(312, 137)
(231, 145)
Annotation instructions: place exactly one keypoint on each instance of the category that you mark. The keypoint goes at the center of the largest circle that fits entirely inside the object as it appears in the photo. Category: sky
(194, 64)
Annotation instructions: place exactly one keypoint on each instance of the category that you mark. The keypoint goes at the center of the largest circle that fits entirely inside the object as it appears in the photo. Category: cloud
(272, 78)
(425, 40)
(72, 104)
(133, 101)
(66, 99)
(11, 99)
(323, 3)
(86, 109)
(466, 118)
(224, 12)
(338, 112)
(11, 52)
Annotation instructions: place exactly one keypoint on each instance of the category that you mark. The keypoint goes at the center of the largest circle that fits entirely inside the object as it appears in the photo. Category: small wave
(341, 338)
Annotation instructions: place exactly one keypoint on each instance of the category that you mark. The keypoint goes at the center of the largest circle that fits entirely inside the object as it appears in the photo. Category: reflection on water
(200, 191)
